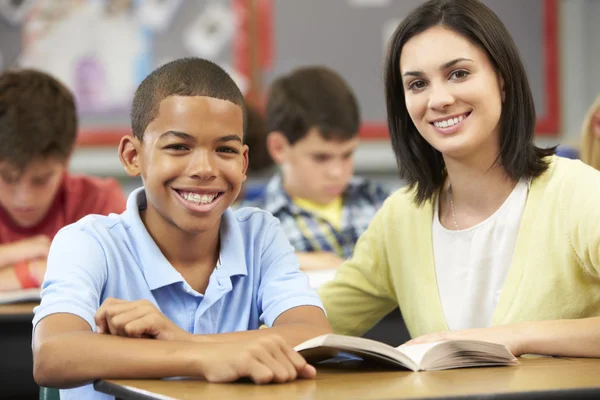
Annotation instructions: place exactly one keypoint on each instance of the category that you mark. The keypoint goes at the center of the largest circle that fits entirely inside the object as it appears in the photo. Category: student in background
(178, 266)
(313, 120)
(260, 162)
(38, 125)
(493, 239)
(590, 136)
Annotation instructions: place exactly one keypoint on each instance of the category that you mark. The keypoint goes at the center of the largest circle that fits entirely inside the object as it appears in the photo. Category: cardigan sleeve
(361, 293)
(580, 204)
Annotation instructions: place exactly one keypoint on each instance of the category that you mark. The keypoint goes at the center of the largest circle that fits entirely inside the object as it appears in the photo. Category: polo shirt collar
(157, 270)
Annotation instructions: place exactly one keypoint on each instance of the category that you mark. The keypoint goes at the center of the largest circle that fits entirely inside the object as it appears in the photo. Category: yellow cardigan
(555, 271)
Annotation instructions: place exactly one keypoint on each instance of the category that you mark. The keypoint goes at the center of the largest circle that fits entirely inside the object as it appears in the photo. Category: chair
(49, 394)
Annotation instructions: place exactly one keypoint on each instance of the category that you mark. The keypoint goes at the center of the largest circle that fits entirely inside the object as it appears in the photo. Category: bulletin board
(257, 40)
(350, 36)
(102, 49)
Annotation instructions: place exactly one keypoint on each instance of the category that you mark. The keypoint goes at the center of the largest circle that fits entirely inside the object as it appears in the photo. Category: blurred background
(102, 49)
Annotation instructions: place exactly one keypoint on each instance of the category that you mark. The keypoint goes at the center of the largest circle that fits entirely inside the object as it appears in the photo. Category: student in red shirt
(38, 125)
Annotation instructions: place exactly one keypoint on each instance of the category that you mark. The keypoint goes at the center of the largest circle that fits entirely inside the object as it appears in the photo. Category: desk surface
(539, 378)
(20, 308)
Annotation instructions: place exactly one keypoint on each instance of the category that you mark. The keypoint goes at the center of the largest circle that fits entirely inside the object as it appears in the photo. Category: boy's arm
(67, 354)
(310, 261)
(295, 326)
(34, 251)
(27, 249)
(34, 271)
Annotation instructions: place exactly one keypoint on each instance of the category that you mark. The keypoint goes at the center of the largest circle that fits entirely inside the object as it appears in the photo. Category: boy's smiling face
(192, 162)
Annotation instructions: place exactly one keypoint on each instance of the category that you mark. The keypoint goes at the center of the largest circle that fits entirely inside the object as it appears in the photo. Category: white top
(471, 264)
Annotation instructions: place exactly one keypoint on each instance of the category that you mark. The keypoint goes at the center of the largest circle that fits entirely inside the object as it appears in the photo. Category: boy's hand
(38, 269)
(264, 360)
(34, 247)
(136, 319)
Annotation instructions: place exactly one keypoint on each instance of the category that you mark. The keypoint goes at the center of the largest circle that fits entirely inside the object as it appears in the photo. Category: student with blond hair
(590, 136)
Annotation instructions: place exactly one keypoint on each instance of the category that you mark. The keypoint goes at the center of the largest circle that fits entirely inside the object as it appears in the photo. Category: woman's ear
(129, 153)
(277, 145)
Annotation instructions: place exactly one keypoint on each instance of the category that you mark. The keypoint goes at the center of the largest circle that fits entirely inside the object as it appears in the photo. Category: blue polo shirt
(257, 277)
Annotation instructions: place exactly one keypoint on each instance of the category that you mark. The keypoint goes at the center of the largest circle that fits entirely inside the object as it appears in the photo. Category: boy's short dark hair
(38, 117)
(312, 97)
(421, 165)
(182, 77)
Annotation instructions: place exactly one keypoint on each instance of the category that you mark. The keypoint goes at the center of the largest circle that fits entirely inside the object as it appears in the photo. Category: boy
(313, 119)
(38, 125)
(178, 266)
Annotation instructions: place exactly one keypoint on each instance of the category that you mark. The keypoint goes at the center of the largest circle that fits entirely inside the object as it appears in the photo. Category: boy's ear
(245, 156)
(129, 153)
(277, 146)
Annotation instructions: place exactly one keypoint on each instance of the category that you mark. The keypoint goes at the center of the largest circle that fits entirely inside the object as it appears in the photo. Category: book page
(416, 352)
(20, 296)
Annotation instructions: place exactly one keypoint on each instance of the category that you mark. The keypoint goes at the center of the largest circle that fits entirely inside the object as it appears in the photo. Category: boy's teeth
(449, 122)
(199, 198)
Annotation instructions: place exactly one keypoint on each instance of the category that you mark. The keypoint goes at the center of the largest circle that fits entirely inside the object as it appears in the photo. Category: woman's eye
(460, 74)
(416, 85)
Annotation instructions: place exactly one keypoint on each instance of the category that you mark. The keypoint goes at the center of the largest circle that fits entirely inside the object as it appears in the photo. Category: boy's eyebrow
(229, 138)
(443, 67)
(181, 135)
(44, 175)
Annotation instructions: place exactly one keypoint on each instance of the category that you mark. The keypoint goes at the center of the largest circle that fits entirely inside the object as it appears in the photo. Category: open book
(20, 296)
(430, 356)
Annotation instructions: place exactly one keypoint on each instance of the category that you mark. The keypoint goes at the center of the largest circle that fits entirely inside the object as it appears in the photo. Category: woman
(590, 136)
(494, 238)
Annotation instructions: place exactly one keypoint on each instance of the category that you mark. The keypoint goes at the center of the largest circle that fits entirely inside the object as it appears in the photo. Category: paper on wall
(210, 32)
(368, 3)
(98, 55)
(157, 14)
(15, 10)
(240, 80)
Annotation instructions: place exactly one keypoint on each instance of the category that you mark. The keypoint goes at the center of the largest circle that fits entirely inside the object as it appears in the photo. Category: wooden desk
(17, 312)
(538, 378)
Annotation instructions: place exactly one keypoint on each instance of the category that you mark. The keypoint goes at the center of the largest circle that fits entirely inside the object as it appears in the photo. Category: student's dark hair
(259, 158)
(38, 118)
(182, 77)
(312, 97)
(419, 164)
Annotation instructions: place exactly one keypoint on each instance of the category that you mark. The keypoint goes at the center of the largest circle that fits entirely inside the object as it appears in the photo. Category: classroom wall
(580, 62)
(579, 53)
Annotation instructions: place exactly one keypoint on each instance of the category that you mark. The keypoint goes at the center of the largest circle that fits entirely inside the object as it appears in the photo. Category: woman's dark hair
(421, 165)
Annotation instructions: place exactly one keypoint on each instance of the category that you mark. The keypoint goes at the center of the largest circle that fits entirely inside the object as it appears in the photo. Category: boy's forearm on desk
(75, 358)
(8, 279)
(293, 334)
